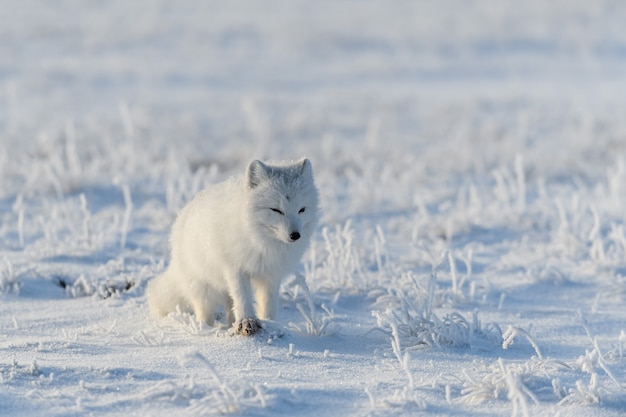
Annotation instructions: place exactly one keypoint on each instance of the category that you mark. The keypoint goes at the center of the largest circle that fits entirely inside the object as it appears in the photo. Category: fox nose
(294, 236)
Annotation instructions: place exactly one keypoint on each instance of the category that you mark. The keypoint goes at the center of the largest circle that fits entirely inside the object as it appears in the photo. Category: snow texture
(471, 160)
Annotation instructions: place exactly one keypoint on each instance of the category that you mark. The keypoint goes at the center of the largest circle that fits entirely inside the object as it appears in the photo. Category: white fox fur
(235, 241)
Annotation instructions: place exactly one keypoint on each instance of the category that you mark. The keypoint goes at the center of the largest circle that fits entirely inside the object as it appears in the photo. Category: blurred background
(94, 94)
(262, 72)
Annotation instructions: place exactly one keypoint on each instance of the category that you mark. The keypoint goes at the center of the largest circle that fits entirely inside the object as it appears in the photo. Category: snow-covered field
(471, 159)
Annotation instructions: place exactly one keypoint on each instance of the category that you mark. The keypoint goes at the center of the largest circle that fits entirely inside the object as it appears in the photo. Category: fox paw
(248, 327)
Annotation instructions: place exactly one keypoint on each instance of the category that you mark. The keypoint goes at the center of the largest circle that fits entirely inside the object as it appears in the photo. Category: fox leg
(202, 302)
(240, 290)
(267, 299)
(230, 315)
(204, 313)
(203, 306)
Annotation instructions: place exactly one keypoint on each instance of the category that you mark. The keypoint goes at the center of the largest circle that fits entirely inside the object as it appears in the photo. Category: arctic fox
(235, 241)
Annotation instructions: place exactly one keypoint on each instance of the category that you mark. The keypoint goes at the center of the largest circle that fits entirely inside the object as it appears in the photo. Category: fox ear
(256, 173)
(305, 167)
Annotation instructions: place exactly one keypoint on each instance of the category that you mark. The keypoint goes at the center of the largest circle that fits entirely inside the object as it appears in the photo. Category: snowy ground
(471, 158)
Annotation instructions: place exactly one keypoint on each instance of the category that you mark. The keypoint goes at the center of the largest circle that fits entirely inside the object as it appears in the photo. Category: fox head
(283, 199)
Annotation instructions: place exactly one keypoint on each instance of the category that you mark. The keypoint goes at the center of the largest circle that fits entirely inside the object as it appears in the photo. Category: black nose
(294, 236)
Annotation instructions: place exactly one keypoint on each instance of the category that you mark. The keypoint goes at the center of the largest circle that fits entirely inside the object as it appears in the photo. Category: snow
(471, 159)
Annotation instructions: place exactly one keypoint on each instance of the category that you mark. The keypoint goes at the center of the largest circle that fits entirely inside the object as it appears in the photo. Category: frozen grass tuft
(584, 394)
(405, 400)
(186, 321)
(340, 264)
(83, 287)
(538, 379)
(316, 323)
(205, 391)
(595, 358)
(501, 381)
(512, 332)
(15, 370)
(219, 396)
(169, 391)
(519, 383)
(10, 277)
(410, 313)
(617, 353)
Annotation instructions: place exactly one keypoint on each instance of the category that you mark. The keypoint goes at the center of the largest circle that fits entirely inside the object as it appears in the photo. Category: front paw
(248, 327)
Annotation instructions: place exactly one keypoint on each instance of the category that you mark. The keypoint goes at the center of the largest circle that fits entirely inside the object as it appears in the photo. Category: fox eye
(275, 210)
(302, 210)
